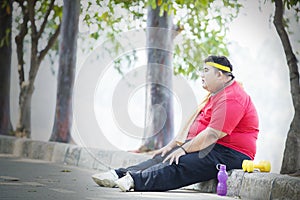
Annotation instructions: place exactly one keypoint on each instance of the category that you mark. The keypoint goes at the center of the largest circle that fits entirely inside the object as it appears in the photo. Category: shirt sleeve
(226, 115)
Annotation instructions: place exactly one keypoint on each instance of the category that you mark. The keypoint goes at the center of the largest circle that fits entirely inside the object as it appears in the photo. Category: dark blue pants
(153, 175)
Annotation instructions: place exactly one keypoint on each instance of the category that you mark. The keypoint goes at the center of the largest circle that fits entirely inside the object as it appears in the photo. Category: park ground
(35, 179)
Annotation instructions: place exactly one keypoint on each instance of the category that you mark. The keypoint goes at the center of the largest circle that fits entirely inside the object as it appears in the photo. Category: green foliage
(202, 24)
(294, 5)
(4, 41)
(46, 27)
(291, 3)
(291, 17)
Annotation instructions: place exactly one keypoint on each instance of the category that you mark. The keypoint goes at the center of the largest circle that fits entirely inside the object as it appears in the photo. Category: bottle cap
(221, 167)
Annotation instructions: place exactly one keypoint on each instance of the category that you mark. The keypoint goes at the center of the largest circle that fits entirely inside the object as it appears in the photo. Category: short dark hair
(222, 60)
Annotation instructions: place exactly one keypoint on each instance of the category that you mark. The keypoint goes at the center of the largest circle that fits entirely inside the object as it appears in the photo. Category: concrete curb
(240, 184)
(68, 154)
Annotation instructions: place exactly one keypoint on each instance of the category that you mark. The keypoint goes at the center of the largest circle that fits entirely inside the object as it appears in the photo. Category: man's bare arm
(206, 138)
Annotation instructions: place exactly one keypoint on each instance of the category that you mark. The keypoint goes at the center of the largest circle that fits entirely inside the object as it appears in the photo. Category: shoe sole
(105, 182)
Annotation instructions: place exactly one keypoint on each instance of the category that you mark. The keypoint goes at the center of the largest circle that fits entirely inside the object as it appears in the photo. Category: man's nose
(202, 74)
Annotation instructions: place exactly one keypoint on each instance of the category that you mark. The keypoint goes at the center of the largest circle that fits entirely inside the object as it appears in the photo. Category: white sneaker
(106, 179)
(125, 183)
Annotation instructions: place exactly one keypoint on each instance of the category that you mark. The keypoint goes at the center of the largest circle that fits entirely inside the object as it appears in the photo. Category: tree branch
(290, 56)
(19, 39)
(42, 28)
(31, 5)
(50, 44)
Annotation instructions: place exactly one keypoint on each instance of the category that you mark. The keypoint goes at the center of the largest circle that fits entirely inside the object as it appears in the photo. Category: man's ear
(219, 74)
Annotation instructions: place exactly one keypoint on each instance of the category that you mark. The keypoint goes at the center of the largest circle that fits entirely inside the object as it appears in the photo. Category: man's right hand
(166, 149)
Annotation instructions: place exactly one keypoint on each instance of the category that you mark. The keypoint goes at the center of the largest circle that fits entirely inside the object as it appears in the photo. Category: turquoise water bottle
(222, 178)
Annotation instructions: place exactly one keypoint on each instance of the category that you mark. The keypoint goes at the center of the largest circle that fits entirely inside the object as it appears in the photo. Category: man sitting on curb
(223, 130)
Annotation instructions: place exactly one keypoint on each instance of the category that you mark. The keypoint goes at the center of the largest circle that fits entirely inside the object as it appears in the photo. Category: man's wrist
(179, 143)
(181, 147)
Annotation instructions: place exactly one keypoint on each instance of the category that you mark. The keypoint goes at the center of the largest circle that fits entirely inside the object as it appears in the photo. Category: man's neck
(223, 86)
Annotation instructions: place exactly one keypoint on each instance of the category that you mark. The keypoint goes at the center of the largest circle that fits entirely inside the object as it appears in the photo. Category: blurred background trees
(5, 65)
(62, 126)
(203, 29)
(38, 23)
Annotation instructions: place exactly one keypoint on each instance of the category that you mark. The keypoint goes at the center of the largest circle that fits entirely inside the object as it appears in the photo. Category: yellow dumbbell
(263, 166)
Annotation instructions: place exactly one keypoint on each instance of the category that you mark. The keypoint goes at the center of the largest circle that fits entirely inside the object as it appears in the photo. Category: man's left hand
(174, 156)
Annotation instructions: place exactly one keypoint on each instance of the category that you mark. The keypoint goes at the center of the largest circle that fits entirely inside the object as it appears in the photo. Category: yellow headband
(216, 65)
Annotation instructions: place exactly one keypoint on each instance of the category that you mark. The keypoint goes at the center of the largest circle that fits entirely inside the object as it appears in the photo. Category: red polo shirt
(232, 112)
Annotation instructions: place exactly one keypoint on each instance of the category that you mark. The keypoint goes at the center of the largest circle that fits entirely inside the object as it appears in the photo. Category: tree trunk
(23, 128)
(159, 100)
(61, 131)
(291, 157)
(26, 91)
(27, 87)
(5, 66)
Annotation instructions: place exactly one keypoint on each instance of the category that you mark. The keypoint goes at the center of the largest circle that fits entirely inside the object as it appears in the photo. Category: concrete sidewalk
(240, 184)
(27, 179)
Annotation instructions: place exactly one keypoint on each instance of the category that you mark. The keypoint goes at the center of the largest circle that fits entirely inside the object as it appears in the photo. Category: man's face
(210, 78)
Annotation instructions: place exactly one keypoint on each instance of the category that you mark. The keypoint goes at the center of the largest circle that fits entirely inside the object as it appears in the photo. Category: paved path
(35, 179)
